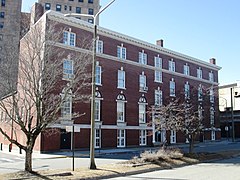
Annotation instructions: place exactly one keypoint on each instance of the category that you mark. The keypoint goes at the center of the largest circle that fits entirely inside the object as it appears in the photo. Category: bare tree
(42, 86)
(180, 116)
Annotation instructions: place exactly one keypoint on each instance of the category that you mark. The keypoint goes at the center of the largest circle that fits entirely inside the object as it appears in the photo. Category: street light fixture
(92, 138)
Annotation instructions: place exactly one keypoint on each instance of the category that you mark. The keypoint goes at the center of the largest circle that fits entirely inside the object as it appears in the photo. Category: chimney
(160, 42)
(212, 61)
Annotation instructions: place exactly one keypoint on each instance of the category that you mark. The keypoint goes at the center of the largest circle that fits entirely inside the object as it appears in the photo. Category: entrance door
(65, 139)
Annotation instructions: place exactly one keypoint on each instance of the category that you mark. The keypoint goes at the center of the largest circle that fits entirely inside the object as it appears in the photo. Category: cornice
(59, 17)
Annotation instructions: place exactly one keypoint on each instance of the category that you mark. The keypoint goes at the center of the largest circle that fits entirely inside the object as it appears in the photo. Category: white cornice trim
(59, 17)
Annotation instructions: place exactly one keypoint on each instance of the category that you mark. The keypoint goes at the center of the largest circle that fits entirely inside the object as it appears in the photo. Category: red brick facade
(109, 91)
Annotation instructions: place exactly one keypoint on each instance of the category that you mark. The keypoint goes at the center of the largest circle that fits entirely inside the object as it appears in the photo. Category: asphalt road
(219, 170)
(13, 163)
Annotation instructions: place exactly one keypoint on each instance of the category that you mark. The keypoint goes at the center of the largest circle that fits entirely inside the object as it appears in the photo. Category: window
(213, 136)
(97, 138)
(158, 98)
(200, 93)
(121, 52)
(58, 7)
(66, 108)
(211, 78)
(158, 62)
(142, 113)
(99, 48)
(171, 65)
(158, 76)
(200, 113)
(1, 25)
(98, 78)
(80, 1)
(120, 138)
(142, 57)
(142, 137)
(97, 110)
(212, 116)
(172, 88)
(187, 90)
(3, 3)
(186, 69)
(120, 111)
(78, 10)
(211, 95)
(70, 8)
(90, 11)
(121, 79)
(143, 82)
(2, 14)
(121, 100)
(199, 73)
(67, 69)
(65, 8)
(90, 1)
(69, 38)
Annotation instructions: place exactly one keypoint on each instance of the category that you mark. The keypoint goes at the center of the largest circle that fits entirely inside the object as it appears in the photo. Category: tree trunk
(191, 145)
(28, 160)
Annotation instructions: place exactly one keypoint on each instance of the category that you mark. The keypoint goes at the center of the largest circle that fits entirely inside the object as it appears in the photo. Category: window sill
(121, 88)
(158, 81)
(98, 84)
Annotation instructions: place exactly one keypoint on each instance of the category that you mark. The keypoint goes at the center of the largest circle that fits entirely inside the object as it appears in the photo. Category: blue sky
(201, 29)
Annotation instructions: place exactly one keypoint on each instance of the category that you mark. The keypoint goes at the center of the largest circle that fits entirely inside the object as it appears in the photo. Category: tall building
(90, 7)
(10, 16)
(131, 76)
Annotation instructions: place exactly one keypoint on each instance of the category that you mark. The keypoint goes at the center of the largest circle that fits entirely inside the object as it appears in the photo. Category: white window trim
(97, 100)
(173, 136)
(123, 103)
(68, 40)
(171, 65)
(121, 52)
(199, 73)
(68, 76)
(172, 88)
(99, 46)
(97, 138)
(158, 60)
(159, 94)
(100, 75)
(124, 79)
(143, 137)
(186, 70)
(187, 90)
(69, 115)
(120, 138)
(144, 115)
(143, 88)
(142, 57)
(156, 74)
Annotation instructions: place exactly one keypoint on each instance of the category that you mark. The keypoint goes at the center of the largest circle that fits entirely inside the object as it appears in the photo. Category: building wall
(67, 6)
(10, 14)
(109, 91)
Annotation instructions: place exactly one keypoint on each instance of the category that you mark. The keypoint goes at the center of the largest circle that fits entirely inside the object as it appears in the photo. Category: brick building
(10, 16)
(131, 76)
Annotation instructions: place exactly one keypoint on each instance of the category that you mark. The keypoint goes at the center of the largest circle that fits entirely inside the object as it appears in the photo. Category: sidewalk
(80, 153)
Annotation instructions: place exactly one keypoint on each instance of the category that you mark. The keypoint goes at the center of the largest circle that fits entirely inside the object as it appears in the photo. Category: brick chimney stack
(160, 42)
(212, 61)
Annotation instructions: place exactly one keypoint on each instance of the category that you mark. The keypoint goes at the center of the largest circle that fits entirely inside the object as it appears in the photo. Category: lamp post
(92, 136)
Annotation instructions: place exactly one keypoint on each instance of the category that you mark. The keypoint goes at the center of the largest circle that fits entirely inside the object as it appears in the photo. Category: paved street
(220, 170)
(12, 162)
